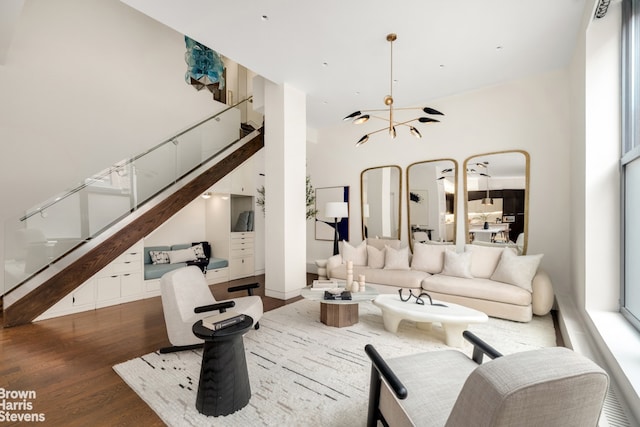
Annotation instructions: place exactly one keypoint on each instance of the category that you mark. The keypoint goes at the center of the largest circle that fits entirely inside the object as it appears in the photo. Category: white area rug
(304, 373)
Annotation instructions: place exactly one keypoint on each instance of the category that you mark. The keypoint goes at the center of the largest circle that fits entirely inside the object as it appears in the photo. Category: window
(630, 162)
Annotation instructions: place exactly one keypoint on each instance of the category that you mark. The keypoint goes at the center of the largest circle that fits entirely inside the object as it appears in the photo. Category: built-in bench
(159, 260)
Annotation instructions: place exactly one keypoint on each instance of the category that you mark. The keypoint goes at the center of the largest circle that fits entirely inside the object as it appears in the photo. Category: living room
(574, 183)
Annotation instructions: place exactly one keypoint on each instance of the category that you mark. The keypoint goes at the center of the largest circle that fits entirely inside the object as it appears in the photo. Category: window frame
(630, 143)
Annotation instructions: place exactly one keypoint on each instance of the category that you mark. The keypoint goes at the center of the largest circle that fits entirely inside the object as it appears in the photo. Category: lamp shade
(336, 210)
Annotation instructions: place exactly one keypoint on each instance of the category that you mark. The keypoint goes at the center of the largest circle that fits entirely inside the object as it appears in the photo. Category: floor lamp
(337, 211)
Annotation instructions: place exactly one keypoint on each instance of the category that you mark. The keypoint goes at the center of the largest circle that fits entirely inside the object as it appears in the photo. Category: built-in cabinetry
(241, 257)
(123, 279)
(227, 231)
(120, 281)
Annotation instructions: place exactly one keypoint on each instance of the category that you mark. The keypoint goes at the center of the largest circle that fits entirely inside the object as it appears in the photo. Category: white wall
(186, 226)
(531, 114)
(84, 85)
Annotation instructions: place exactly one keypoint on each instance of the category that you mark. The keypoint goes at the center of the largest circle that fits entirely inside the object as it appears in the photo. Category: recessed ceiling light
(264, 17)
(498, 47)
(325, 64)
(441, 65)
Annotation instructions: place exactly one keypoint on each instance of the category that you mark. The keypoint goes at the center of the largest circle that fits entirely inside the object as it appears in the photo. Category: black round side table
(224, 382)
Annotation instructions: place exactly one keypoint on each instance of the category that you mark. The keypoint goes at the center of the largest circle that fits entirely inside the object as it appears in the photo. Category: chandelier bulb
(392, 131)
(362, 140)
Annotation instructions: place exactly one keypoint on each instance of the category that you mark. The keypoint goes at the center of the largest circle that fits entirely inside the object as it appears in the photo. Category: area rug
(303, 373)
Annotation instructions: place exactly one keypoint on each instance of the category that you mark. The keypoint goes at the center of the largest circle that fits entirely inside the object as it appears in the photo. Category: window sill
(609, 340)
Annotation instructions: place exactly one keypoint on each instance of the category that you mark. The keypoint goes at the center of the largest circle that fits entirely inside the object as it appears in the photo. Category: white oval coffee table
(454, 318)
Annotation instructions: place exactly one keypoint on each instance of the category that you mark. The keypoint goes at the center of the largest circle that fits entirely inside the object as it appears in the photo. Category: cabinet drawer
(241, 245)
(123, 267)
(241, 253)
(218, 275)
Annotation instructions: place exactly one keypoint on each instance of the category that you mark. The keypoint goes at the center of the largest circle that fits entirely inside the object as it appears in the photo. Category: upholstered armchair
(186, 298)
(546, 387)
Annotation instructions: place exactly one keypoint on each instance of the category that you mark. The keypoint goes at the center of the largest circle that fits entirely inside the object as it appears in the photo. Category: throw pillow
(182, 255)
(358, 254)
(484, 259)
(159, 257)
(396, 259)
(457, 265)
(199, 250)
(429, 258)
(375, 257)
(381, 243)
(242, 224)
(517, 270)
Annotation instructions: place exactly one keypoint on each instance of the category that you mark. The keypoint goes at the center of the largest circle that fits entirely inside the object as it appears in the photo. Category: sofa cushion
(155, 271)
(399, 278)
(217, 263)
(429, 258)
(356, 254)
(484, 259)
(517, 270)
(375, 257)
(396, 259)
(381, 243)
(457, 265)
(483, 289)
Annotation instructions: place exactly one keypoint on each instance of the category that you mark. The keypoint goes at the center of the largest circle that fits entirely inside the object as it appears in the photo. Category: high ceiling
(336, 50)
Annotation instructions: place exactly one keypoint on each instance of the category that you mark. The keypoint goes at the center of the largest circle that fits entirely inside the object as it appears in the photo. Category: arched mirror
(380, 202)
(497, 194)
(431, 200)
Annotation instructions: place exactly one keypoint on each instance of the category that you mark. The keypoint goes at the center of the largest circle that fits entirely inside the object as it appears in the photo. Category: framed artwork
(419, 207)
(324, 225)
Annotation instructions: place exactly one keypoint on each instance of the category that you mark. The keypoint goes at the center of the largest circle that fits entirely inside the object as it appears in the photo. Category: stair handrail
(123, 163)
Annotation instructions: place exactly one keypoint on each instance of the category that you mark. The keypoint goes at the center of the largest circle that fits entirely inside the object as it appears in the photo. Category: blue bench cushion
(217, 263)
(155, 271)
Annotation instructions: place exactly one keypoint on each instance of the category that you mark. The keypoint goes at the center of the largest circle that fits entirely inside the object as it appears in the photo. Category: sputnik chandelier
(360, 117)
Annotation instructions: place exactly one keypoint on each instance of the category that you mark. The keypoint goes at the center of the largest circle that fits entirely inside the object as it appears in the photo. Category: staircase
(42, 289)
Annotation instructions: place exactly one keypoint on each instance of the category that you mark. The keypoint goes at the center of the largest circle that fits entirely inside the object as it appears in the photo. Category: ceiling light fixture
(360, 117)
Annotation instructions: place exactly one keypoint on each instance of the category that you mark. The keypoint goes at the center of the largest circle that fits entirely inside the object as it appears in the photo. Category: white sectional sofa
(494, 280)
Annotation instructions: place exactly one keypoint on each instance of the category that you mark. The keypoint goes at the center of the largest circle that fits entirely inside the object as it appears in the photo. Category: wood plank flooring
(68, 361)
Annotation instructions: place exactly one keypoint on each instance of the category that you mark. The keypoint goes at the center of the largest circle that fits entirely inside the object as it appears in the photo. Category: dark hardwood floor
(67, 361)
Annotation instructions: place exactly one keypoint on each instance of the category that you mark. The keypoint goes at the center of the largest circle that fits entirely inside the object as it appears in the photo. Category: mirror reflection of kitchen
(380, 202)
(431, 201)
(496, 194)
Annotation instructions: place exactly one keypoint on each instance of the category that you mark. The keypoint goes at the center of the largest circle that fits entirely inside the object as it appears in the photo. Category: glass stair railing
(50, 230)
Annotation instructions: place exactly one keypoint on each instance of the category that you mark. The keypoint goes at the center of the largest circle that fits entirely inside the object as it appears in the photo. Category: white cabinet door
(108, 290)
(242, 181)
(85, 295)
(131, 286)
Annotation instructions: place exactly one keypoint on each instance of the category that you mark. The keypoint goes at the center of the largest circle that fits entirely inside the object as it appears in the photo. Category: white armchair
(551, 387)
(186, 298)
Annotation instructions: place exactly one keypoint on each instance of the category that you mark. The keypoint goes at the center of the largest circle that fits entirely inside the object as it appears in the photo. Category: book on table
(222, 320)
(344, 295)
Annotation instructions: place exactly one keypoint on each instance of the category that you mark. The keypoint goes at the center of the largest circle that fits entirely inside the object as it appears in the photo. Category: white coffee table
(339, 313)
(454, 318)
